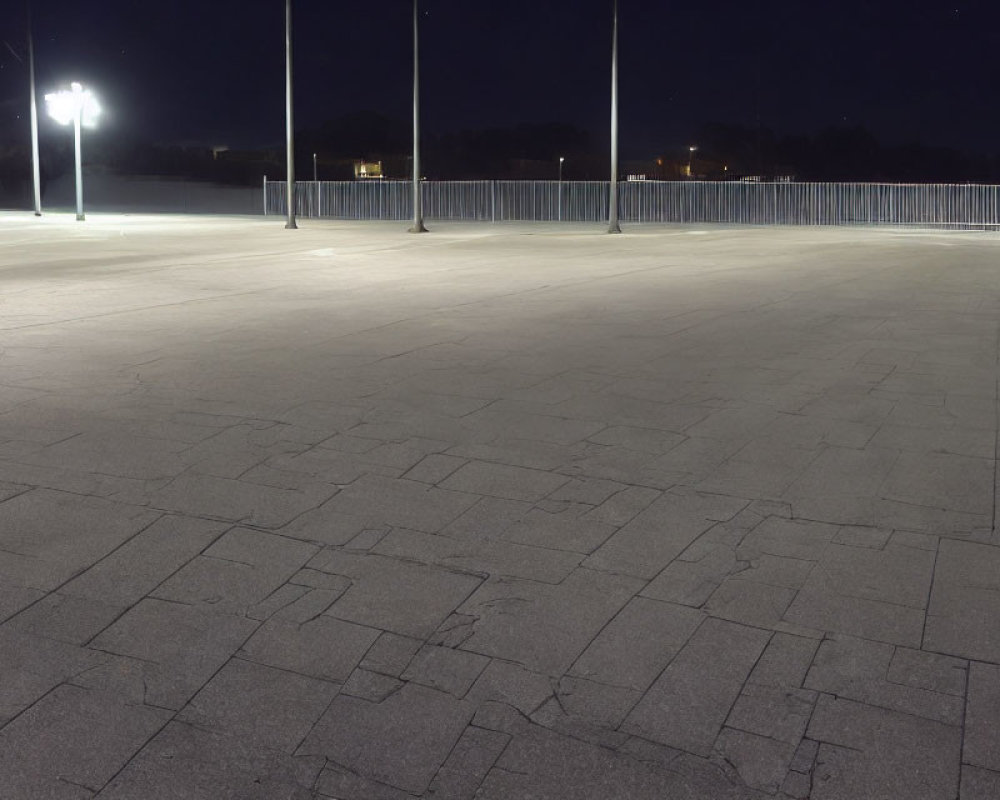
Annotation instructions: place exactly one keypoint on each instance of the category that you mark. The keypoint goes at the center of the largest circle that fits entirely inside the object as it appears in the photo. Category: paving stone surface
(690, 700)
(271, 708)
(406, 737)
(637, 644)
(867, 751)
(346, 514)
(91, 734)
(965, 601)
(982, 739)
(863, 670)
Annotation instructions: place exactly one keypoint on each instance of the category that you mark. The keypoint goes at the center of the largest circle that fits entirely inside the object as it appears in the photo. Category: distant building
(696, 168)
(367, 170)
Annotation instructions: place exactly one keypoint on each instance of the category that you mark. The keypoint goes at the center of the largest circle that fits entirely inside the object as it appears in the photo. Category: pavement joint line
(927, 602)
(77, 574)
(242, 656)
(122, 312)
(6, 725)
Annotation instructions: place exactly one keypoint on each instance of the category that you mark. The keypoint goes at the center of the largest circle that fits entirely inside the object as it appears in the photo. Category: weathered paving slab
(141, 564)
(400, 596)
(402, 503)
(321, 647)
(47, 537)
(982, 740)
(871, 752)
(502, 512)
(185, 761)
(237, 571)
(870, 673)
(540, 763)
(637, 644)
(269, 708)
(179, 646)
(543, 627)
(487, 556)
(402, 741)
(661, 532)
(73, 740)
(687, 705)
(31, 666)
(965, 601)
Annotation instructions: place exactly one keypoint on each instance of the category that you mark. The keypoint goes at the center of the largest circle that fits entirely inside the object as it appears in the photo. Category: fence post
(265, 195)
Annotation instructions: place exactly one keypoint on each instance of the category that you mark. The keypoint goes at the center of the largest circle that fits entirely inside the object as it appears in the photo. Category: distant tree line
(840, 154)
(725, 151)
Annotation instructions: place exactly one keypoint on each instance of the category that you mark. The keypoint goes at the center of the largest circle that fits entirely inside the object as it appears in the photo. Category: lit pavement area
(497, 512)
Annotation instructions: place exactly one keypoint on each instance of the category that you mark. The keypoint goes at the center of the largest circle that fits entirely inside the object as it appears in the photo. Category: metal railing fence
(735, 202)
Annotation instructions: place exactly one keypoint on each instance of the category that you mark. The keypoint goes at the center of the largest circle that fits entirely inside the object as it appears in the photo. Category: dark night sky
(212, 71)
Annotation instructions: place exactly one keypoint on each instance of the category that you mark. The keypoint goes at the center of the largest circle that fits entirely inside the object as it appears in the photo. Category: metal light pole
(690, 160)
(288, 117)
(35, 168)
(80, 108)
(613, 226)
(315, 179)
(79, 166)
(418, 211)
(561, 159)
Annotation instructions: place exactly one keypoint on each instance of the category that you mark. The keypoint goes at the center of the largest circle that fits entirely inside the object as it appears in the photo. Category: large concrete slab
(501, 511)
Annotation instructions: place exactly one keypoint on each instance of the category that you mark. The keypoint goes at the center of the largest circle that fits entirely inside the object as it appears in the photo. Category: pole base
(615, 228)
(291, 226)
(38, 213)
(418, 228)
(80, 217)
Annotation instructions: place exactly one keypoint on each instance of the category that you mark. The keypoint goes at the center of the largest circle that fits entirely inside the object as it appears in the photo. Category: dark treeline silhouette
(725, 151)
(839, 154)
(524, 151)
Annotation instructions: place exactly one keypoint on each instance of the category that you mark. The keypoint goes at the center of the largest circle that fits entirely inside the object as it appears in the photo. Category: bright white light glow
(64, 106)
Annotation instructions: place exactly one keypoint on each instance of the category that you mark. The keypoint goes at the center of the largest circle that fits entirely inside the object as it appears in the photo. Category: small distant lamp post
(315, 178)
(561, 160)
(691, 159)
(79, 106)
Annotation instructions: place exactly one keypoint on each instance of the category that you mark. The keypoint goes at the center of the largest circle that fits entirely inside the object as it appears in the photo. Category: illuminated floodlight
(64, 106)
(80, 107)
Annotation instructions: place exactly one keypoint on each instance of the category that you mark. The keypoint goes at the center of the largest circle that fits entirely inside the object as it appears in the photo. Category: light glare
(64, 106)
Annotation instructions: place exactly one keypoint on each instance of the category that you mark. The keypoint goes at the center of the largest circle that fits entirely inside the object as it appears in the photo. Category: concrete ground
(497, 512)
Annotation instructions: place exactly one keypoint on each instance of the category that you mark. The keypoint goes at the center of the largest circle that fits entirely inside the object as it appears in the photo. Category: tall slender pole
(613, 226)
(561, 159)
(316, 186)
(35, 168)
(288, 116)
(418, 211)
(77, 121)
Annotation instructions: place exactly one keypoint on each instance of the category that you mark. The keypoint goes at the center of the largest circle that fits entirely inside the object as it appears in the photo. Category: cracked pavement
(500, 512)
